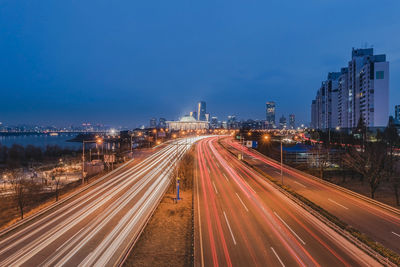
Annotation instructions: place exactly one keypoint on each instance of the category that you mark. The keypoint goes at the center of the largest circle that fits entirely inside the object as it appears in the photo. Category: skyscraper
(292, 121)
(201, 111)
(282, 122)
(270, 114)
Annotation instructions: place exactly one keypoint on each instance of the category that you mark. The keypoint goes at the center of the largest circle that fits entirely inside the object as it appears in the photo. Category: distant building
(232, 123)
(162, 123)
(187, 122)
(282, 122)
(153, 123)
(193, 114)
(359, 90)
(292, 121)
(201, 111)
(270, 114)
(214, 122)
(207, 116)
(397, 113)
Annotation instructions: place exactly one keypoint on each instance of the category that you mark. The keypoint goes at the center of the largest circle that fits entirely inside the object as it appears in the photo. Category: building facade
(361, 90)
(201, 111)
(397, 112)
(187, 123)
(270, 114)
(292, 121)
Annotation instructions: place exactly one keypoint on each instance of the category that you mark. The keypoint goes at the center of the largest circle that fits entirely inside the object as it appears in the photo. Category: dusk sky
(123, 62)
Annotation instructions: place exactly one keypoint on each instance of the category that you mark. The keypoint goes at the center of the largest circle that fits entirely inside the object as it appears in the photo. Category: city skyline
(157, 66)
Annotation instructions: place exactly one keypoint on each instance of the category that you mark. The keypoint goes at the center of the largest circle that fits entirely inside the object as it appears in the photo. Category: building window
(379, 75)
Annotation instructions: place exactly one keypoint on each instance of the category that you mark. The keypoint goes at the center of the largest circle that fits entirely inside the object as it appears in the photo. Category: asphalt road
(95, 227)
(378, 223)
(242, 220)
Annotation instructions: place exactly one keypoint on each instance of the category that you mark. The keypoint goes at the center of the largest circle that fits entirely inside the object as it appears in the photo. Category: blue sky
(122, 62)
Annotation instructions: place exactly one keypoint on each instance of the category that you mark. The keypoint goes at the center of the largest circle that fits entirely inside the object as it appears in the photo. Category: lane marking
(225, 177)
(249, 186)
(300, 184)
(230, 230)
(338, 204)
(279, 259)
(208, 169)
(278, 172)
(291, 230)
(242, 202)
(198, 215)
(395, 234)
(217, 165)
(215, 188)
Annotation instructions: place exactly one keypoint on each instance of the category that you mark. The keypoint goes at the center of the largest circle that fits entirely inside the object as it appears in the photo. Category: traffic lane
(324, 249)
(32, 231)
(242, 251)
(254, 243)
(24, 242)
(51, 235)
(213, 239)
(348, 208)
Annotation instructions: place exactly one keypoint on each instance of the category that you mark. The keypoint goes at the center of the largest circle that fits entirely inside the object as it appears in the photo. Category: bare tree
(20, 191)
(56, 177)
(320, 157)
(370, 162)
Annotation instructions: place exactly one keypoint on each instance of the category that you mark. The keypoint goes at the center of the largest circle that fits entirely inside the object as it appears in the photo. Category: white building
(187, 123)
(361, 90)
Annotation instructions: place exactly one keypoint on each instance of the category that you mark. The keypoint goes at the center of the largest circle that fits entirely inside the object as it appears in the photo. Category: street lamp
(97, 141)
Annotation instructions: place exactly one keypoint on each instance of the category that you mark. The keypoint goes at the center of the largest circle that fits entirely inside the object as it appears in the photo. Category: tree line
(18, 156)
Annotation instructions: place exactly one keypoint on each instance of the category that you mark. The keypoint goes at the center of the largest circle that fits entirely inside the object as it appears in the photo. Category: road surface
(242, 220)
(97, 226)
(380, 224)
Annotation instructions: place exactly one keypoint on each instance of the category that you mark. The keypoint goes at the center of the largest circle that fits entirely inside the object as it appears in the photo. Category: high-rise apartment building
(359, 90)
(201, 111)
(270, 114)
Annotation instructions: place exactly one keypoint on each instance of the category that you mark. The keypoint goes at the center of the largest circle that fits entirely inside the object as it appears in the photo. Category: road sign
(109, 158)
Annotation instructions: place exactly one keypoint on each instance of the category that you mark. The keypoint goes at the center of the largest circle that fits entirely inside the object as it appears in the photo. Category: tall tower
(270, 114)
(201, 111)
(292, 121)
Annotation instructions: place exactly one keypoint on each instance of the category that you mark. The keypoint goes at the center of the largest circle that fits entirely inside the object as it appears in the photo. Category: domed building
(187, 123)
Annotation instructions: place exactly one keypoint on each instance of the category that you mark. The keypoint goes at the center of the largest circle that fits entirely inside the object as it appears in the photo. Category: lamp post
(97, 141)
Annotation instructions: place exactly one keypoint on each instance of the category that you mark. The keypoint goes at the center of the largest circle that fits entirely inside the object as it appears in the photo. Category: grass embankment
(167, 239)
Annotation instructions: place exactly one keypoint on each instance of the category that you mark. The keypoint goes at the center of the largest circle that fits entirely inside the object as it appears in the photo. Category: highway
(381, 224)
(97, 226)
(243, 220)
